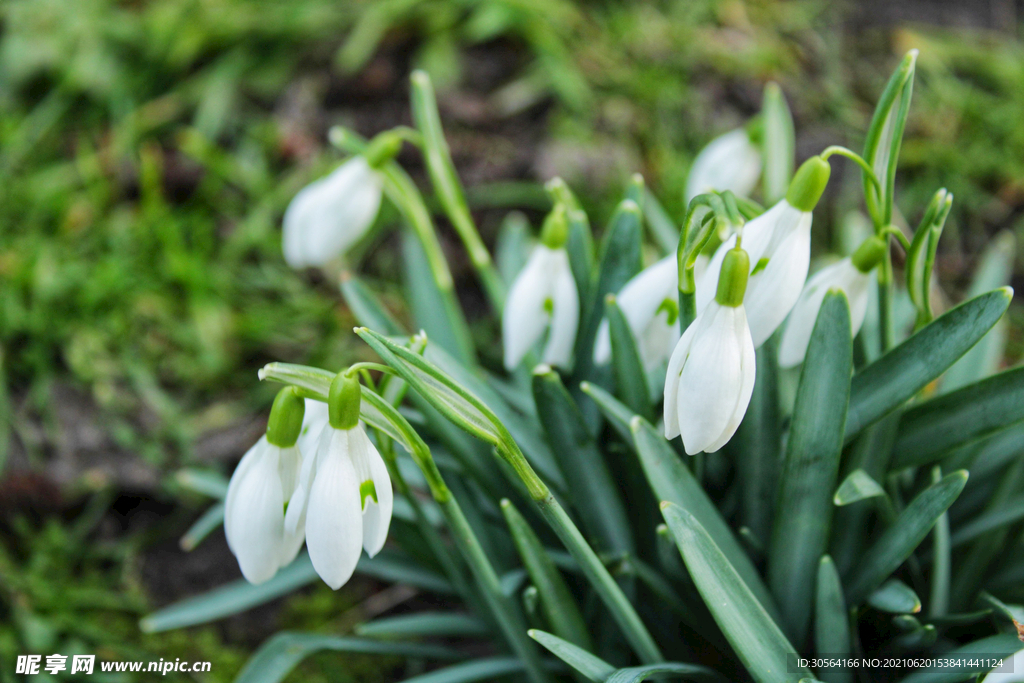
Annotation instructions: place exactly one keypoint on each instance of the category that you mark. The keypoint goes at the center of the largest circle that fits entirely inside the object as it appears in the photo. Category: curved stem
(898, 234)
(858, 159)
(379, 367)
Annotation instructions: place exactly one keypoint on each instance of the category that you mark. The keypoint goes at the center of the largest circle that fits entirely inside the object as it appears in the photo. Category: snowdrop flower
(729, 162)
(260, 488)
(650, 304)
(852, 275)
(331, 214)
(344, 497)
(711, 372)
(779, 244)
(543, 296)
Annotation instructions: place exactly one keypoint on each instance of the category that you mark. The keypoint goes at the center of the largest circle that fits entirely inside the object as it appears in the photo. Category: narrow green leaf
(695, 672)
(778, 144)
(512, 247)
(1000, 646)
(989, 520)
(897, 542)
(995, 270)
(803, 515)
(592, 667)
(488, 669)
(580, 247)
(617, 414)
(630, 375)
(663, 228)
(1010, 612)
(921, 255)
(831, 622)
(201, 528)
(897, 376)
(281, 653)
(424, 625)
(368, 310)
(672, 481)
(938, 598)
(856, 487)
(895, 597)
(557, 602)
(206, 482)
(757, 639)
(760, 447)
(934, 427)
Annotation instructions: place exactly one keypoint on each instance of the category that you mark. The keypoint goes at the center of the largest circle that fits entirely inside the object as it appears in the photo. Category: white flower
(329, 215)
(543, 295)
(313, 422)
(729, 162)
(254, 509)
(650, 304)
(710, 379)
(842, 275)
(344, 500)
(779, 244)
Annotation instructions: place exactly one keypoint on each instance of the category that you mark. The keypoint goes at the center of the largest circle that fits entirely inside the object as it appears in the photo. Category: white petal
(256, 525)
(290, 467)
(244, 465)
(313, 422)
(803, 316)
(858, 291)
(295, 516)
(729, 162)
(639, 300)
(675, 368)
(773, 292)
(524, 318)
(712, 379)
(334, 525)
(565, 314)
(329, 215)
(376, 514)
(748, 373)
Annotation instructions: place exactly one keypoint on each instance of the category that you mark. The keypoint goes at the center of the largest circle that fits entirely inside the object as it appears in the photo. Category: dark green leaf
(895, 597)
(424, 625)
(999, 646)
(760, 449)
(831, 621)
(201, 528)
(694, 672)
(368, 310)
(630, 375)
(592, 667)
(856, 487)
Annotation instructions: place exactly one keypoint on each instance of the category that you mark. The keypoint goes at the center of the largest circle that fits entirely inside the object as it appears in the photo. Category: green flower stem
(898, 234)
(856, 158)
(610, 592)
(448, 188)
(885, 301)
(938, 604)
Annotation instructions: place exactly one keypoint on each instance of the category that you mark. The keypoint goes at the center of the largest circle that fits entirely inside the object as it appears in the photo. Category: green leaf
(778, 144)
(995, 270)
(989, 520)
(885, 135)
(895, 597)
(630, 375)
(621, 259)
(897, 376)
(998, 646)
(856, 487)
(759, 456)
(424, 625)
(592, 667)
(930, 429)
(635, 674)
(673, 482)
(757, 639)
(206, 482)
(663, 228)
(921, 255)
(617, 414)
(365, 306)
(281, 653)
(897, 542)
(491, 668)
(557, 602)
(512, 247)
(201, 528)
(803, 514)
(831, 621)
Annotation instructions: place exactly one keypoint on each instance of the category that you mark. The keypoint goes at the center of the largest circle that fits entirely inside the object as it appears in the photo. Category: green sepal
(808, 184)
(285, 423)
(869, 254)
(555, 231)
(732, 282)
(343, 401)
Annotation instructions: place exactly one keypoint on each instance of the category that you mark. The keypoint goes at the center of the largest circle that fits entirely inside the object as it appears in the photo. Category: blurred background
(148, 149)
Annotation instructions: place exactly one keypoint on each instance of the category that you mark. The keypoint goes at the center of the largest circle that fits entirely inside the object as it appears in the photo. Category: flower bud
(869, 254)
(555, 231)
(285, 421)
(343, 401)
(732, 283)
(808, 184)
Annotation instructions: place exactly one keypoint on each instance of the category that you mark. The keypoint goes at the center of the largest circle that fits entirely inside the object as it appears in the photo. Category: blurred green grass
(148, 149)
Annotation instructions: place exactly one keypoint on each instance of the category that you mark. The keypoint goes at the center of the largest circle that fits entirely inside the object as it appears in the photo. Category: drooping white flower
(344, 498)
(851, 275)
(543, 296)
(330, 214)
(711, 373)
(779, 244)
(260, 487)
(729, 162)
(649, 302)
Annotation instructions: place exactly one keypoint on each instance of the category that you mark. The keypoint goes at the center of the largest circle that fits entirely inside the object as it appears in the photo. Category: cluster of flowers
(321, 480)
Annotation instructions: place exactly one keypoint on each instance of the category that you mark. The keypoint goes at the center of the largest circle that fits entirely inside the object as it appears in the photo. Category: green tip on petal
(367, 490)
(555, 232)
(285, 421)
(343, 401)
(808, 184)
(869, 254)
(732, 283)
